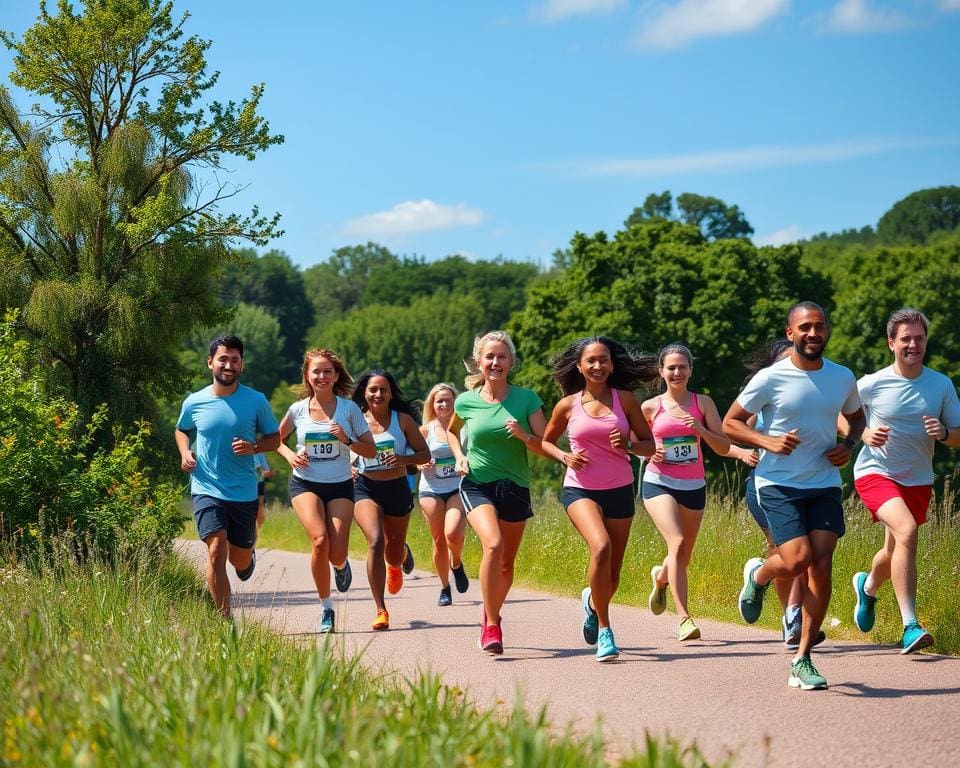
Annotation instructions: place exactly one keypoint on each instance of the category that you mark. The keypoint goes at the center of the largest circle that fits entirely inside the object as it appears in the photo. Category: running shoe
(445, 599)
(326, 622)
(606, 646)
(790, 631)
(407, 559)
(591, 624)
(394, 580)
(688, 630)
(658, 593)
(381, 622)
(491, 639)
(247, 572)
(751, 596)
(914, 638)
(863, 611)
(460, 578)
(804, 675)
(343, 576)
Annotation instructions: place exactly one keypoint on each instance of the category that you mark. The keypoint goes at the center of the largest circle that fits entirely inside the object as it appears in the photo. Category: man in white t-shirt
(797, 477)
(908, 407)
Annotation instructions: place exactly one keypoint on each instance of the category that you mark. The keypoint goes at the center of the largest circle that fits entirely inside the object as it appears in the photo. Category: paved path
(727, 691)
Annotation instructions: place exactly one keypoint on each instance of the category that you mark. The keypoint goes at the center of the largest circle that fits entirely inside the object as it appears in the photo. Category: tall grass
(129, 665)
(554, 558)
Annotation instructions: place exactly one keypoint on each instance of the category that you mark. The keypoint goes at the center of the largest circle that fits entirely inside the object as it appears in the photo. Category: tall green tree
(336, 285)
(111, 232)
(714, 218)
(654, 207)
(919, 215)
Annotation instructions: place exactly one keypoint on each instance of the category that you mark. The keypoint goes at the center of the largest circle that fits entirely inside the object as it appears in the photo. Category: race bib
(384, 450)
(321, 446)
(445, 467)
(680, 450)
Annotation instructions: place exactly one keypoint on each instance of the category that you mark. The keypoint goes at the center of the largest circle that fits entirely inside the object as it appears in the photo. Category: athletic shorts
(443, 496)
(393, 496)
(614, 503)
(695, 499)
(753, 504)
(511, 501)
(877, 490)
(237, 518)
(326, 492)
(794, 512)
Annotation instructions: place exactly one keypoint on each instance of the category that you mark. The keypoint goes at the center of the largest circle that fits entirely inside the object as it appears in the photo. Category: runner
(383, 498)
(223, 420)
(798, 483)
(908, 407)
(503, 422)
(674, 485)
(264, 473)
(328, 426)
(597, 376)
(439, 497)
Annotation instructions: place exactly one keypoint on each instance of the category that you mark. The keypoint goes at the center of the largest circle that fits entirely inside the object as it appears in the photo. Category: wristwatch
(349, 441)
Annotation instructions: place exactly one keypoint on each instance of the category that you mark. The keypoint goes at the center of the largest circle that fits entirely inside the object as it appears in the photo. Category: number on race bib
(680, 450)
(384, 450)
(321, 446)
(445, 467)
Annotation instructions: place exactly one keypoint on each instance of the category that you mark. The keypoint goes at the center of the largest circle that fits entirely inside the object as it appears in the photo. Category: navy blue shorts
(695, 499)
(326, 492)
(614, 503)
(392, 496)
(444, 496)
(511, 501)
(794, 512)
(753, 503)
(237, 518)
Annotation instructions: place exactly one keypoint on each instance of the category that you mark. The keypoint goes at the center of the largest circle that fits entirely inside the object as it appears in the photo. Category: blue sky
(502, 128)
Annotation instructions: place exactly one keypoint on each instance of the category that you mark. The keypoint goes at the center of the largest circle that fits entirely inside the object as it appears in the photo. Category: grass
(554, 558)
(129, 665)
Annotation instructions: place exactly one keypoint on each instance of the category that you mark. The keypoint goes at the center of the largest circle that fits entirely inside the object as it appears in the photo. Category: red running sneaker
(491, 640)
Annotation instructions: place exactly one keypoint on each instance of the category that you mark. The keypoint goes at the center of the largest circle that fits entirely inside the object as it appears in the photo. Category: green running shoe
(688, 630)
(751, 596)
(914, 638)
(863, 611)
(658, 593)
(804, 675)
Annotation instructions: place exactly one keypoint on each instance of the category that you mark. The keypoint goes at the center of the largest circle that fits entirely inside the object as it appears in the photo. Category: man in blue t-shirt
(797, 477)
(223, 421)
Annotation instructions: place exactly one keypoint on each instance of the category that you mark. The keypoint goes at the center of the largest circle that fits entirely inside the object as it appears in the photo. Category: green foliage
(111, 237)
(659, 282)
(715, 219)
(336, 286)
(919, 215)
(52, 481)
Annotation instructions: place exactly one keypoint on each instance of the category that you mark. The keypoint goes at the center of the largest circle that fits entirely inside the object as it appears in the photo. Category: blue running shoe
(460, 578)
(914, 638)
(325, 627)
(751, 596)
(343, 576)
(445, 598)
(591, 624)
(863, 611)
(606, 646)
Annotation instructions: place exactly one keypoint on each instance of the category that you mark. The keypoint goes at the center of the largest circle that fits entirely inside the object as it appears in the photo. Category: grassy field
(554, 558)
(130, 666)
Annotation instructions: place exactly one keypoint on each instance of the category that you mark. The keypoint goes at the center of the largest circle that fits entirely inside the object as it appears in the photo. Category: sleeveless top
(442, 477)
(682, 466)
(391, 440)
(608, 467)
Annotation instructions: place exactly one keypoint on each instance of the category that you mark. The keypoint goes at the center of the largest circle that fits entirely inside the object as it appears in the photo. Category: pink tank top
(608, 467)
(683, 458)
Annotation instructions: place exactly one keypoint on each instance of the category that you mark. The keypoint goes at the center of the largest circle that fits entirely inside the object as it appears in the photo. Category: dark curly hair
(397, 401)
(766, 356)
(631, 370)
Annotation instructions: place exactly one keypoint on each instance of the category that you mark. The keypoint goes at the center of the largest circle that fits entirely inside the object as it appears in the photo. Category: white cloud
(557, 10)
(858, 17)
(748, 158)
(413, 216)
(790, 234)
(681, 23)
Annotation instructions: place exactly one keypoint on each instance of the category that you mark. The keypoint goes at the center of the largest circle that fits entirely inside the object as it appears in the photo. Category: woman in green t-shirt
(503, 421)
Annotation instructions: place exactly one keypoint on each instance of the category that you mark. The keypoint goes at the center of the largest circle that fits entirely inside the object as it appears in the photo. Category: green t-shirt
(493, 454)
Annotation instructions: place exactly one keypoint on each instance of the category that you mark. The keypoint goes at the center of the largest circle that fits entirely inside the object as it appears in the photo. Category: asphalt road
(727, 691)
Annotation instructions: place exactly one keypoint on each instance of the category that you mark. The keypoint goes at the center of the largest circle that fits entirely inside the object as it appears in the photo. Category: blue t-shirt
(212, 423)
(789, 398)
(892, 400)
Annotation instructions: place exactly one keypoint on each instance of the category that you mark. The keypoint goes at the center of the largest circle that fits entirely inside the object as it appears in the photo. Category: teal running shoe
(325, 627)
(751, 596)
(914, 638)
(804, 675)
(591, 624)
(863, 611)
(606, 646)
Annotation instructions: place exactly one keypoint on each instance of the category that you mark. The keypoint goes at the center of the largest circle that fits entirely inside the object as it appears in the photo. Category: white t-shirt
(329, 458)
(900, 403)
(808, 401)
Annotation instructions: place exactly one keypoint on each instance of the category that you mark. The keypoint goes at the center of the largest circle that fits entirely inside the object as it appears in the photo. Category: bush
(52, 480)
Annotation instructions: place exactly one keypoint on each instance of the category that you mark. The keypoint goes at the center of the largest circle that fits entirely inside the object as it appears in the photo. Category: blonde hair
(428, 412)
(474, 379)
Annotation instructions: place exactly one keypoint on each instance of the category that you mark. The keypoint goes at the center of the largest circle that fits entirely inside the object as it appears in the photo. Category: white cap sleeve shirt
(329, 458)
(807, 401)
(900, 403)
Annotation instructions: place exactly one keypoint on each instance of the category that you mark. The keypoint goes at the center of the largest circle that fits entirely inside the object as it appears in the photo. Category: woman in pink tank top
(674, 486)
(597, 375)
